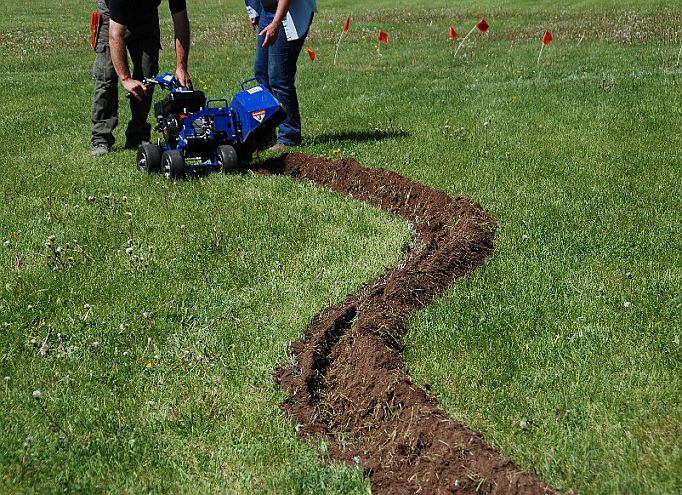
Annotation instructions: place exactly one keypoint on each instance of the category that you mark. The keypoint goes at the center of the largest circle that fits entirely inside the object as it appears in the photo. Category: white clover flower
(129, 251)
(51, 238)
(87, 306)
(524, 237)
(627, 304)
(129, 214)
(6, 244)
(37, 394)
(145, 315)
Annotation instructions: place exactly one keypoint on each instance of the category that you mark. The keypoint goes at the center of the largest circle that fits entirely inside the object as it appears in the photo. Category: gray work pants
(143, 48)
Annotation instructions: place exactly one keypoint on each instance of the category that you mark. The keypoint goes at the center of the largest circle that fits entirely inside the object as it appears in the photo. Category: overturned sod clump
(349, 385)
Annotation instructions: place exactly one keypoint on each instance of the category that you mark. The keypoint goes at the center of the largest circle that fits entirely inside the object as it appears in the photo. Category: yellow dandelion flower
(149, 364)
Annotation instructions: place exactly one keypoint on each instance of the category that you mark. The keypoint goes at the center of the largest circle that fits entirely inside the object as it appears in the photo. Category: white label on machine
(255, 89)
(259, 115)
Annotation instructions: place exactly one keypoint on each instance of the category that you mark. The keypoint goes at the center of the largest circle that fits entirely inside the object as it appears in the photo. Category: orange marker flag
(482, 27)
(345, 28)
(383, 37)
(545, 41)
(311, 53)
(547, 38)
(453, 33)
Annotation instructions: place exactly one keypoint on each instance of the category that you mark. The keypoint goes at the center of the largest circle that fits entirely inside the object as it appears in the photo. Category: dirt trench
(349, 384)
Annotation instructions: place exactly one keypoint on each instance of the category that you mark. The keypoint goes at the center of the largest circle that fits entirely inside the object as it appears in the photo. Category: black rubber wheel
(173, 164)
(148, 158)
(226, 158)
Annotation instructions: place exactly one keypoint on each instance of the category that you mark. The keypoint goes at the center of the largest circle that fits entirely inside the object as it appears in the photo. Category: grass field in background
(152, 331)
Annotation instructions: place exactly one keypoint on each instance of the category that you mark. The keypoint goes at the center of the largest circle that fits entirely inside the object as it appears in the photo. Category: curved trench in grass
(349, 383)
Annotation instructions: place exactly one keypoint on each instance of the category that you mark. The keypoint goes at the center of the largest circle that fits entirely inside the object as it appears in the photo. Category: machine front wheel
(148, 158)
(173, 164)
(226, 158)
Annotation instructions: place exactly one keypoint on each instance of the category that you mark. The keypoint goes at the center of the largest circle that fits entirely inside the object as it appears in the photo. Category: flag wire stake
(465, 38)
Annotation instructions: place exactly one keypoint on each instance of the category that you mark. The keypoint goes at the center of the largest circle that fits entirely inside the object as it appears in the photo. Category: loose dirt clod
(350, 384)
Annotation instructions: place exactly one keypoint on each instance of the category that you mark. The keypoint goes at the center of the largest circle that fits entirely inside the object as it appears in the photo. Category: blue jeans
(276, 68)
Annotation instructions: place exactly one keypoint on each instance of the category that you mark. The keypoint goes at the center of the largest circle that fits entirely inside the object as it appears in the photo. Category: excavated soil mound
(350, 386)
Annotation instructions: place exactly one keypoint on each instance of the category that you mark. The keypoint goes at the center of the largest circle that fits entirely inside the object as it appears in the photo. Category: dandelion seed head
(87, 306)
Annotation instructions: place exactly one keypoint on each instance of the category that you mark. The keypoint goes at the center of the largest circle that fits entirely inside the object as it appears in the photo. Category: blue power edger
(208, 133)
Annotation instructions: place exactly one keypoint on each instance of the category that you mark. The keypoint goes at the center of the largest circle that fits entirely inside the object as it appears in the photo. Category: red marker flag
(383, 37)
(547, 38)
(545, 41)
(345, 28)
(453, 33)
(311, 53)
(481, 25)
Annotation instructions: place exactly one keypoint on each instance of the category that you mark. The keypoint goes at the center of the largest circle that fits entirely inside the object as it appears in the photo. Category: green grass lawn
(152, 319)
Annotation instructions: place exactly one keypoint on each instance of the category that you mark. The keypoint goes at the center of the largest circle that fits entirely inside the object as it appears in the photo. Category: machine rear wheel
(148, 158)
(226, 158)
(173, 164)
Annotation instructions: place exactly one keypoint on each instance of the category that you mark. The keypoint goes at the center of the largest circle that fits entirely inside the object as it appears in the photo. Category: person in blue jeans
(282, 28)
